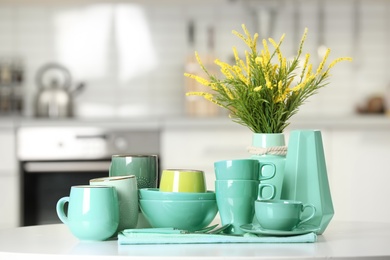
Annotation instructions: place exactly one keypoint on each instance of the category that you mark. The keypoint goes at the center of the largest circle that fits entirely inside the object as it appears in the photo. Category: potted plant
(264, 90)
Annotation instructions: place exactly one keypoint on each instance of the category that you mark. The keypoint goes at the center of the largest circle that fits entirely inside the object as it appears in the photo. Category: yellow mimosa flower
(200, 62)
(227, 91)
(284, 64)
(302, 42)
(198, 79)
(235, 53)
(309, 70)
(277, 47)
(244, 66)
(307, 57)
(268, 84)
(297, 87)
(196, 93)
(258, 90)
(266, 50)
(321, 66)
(289, 83)
(255, 38)
(238, 72)
(226, 69)
(246, 40)
(337, 61)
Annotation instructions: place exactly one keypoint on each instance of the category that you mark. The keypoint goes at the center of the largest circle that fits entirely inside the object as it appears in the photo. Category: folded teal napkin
(136, 238)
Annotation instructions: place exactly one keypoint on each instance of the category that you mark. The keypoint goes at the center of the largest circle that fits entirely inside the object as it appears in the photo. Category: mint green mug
(282, 214)
(126, 188)
(144, 167)
(242, 169)
(93, 212)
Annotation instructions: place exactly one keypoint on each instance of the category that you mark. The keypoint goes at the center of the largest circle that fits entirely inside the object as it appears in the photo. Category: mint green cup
(282, 214)
(93, 212)
(242, 169)
(236, 202)
(144, 167)
(126, 188)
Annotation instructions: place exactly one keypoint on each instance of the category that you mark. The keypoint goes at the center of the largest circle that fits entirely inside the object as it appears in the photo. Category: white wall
(145, 75)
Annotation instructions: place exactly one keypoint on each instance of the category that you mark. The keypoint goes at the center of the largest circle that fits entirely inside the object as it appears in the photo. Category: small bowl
(182, 214)
(156, 194)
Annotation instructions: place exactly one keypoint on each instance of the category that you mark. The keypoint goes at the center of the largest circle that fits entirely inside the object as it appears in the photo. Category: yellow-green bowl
(156, 194)
(182, 214)
(182, 180)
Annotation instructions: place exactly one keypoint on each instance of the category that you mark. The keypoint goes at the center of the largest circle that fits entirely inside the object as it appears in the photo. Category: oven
(52, 159)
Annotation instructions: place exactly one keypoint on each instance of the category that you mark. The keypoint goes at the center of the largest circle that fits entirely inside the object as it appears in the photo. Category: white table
(340, 240)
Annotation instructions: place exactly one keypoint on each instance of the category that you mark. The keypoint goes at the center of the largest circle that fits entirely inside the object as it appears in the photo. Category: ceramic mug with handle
(243, 169)
(93, 212)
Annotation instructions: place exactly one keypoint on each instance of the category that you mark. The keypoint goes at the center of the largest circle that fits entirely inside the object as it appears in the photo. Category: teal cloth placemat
(126, 238)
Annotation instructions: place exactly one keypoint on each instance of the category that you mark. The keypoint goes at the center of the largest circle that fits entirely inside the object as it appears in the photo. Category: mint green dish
(182, 214)
(156, 194)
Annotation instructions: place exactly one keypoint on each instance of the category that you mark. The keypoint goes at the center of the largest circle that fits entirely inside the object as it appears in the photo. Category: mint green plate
(256, 229)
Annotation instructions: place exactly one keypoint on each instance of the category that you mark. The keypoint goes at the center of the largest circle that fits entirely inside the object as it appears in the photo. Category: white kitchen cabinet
(361, 174)
(199, 147)
(9, 180)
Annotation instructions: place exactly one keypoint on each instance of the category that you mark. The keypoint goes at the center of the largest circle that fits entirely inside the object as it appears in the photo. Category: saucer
(256, 229)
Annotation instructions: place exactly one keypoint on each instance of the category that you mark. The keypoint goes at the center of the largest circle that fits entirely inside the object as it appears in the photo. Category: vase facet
(306, 177)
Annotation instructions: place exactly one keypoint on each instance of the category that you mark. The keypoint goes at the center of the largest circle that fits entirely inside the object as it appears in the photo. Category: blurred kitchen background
(131, 55)
(128, 60)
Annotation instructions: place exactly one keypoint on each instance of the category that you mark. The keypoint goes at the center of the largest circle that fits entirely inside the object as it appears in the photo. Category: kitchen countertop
(341, 240)
(368, 122)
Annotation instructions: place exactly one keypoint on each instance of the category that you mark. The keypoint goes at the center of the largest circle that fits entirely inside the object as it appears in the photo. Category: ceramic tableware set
(303, 203)
(128, 199)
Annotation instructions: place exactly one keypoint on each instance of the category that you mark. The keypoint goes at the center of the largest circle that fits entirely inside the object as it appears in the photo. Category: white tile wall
(31, 31)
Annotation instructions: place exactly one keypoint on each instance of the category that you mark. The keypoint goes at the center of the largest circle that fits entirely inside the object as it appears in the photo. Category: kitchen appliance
(55, 96)
(53, 158)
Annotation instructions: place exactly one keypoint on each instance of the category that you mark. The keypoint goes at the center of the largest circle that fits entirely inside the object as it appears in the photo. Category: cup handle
(311, 215)
(61, 210)
(262, 186)
(263, 178)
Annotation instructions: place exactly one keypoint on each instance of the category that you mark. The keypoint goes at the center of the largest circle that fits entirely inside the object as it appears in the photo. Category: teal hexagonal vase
(305, 175)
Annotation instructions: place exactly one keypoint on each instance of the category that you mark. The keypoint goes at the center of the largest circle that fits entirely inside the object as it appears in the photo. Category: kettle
(55, 98)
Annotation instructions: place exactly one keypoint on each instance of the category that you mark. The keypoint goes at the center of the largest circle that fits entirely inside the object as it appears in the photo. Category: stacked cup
(237, 187)
(144, 167)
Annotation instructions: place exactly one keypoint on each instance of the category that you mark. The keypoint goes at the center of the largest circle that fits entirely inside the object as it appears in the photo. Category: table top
(340, 240)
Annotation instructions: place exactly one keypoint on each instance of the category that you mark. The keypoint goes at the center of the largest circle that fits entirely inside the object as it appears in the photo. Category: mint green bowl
(156, 194)
(182, 214)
